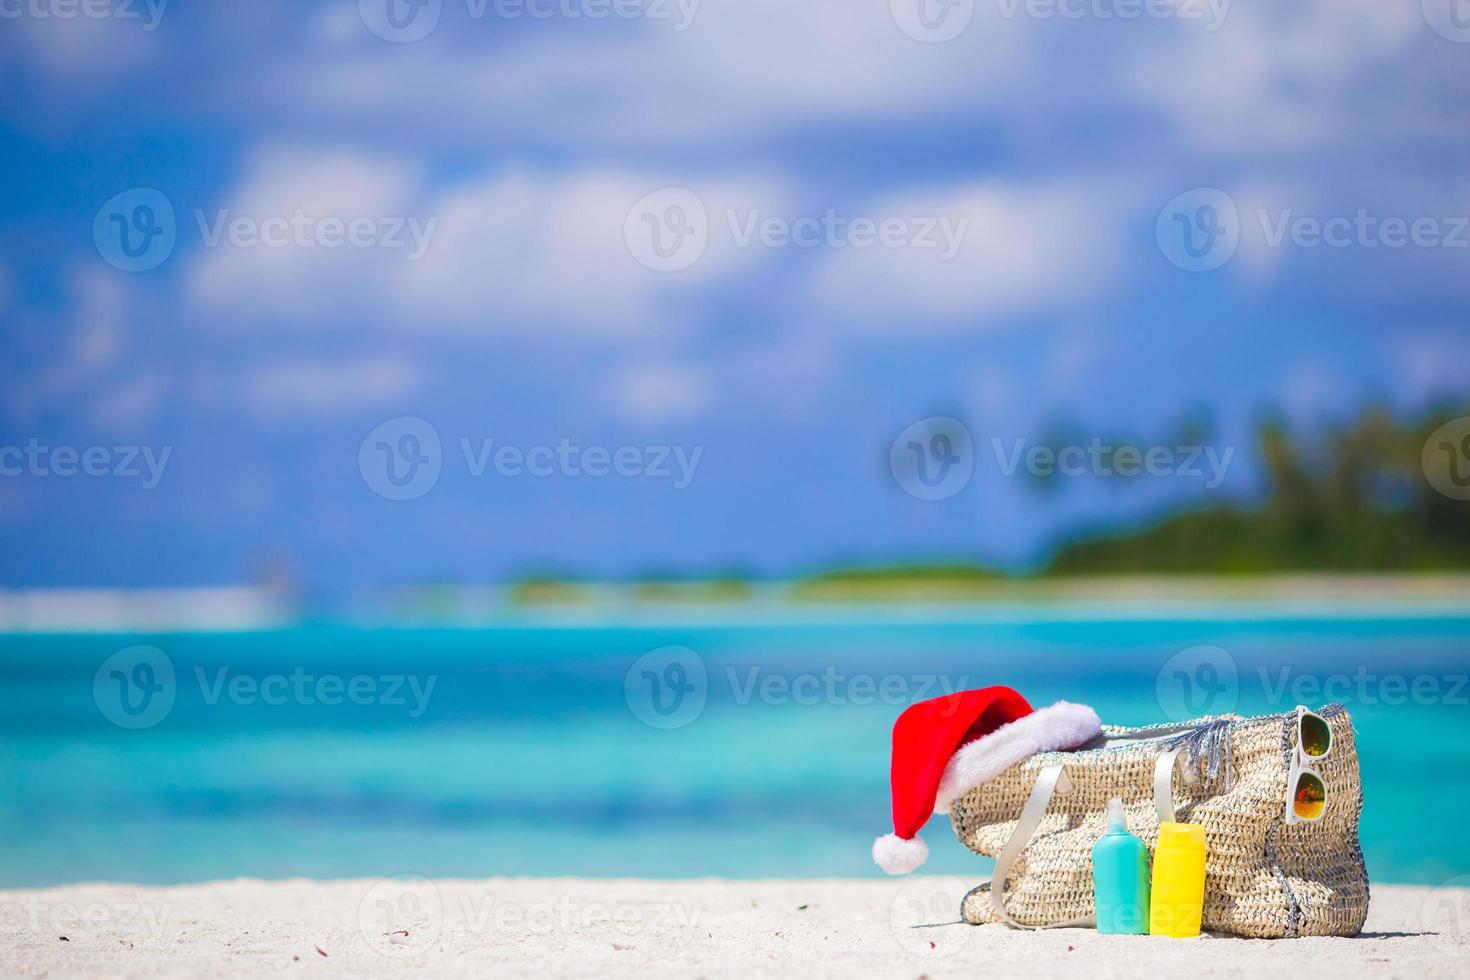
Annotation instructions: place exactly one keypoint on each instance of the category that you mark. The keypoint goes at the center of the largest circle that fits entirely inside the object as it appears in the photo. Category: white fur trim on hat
(1060, 726)
(898, 856)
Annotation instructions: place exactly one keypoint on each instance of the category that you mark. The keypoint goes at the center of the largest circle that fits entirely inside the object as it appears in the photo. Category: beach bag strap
(1164, 784)
(1052, 780)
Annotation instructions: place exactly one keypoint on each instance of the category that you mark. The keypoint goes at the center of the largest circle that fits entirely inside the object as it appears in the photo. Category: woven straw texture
(1263, 879)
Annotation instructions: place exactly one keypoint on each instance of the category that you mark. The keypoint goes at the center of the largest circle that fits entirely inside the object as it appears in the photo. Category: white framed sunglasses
(1308, 791)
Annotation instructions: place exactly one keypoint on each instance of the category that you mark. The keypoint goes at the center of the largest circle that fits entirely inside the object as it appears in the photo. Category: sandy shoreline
(703, 928)
(246, 609)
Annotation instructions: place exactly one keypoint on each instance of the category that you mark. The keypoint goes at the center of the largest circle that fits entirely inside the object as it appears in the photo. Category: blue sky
(526, 147)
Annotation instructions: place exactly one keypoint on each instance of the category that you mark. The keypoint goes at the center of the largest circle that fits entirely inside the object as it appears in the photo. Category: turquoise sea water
(546, 749)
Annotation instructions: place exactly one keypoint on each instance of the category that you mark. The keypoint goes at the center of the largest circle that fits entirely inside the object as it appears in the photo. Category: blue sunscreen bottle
(1120, 878)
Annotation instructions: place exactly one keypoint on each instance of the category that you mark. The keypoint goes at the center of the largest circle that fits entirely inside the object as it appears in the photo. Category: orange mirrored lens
(1310, 797)
(1316, 736)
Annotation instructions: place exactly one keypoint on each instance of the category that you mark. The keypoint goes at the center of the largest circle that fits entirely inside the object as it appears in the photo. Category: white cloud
(92, 338)
(831, 57)
(318, 388)
(1273, 75)
(100, 300)
(662, 392)
(501, 251)
(90, 373)
(756, 65)
(300, 275)
(532, 251)
(86, 49)
(1260, 209)
(1023, 248)
(1270, 76)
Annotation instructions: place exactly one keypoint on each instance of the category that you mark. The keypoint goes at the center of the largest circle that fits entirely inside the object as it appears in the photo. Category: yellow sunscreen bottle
(1177, 899)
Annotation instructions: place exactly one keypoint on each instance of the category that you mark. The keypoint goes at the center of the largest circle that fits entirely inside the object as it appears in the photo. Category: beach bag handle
(1052, 780)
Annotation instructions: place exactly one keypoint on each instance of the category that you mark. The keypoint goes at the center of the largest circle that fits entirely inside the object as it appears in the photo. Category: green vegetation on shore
(545, 590)
(1356, 500)
(929, 581)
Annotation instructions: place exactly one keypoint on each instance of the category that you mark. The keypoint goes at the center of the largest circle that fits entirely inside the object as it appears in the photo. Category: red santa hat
(946, 746)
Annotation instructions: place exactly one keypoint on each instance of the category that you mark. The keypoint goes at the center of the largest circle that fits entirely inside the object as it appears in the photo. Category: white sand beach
(704, 928)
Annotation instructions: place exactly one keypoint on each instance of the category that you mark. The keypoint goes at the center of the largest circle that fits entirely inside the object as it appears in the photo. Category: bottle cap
(1189, 835)
(1117, 820)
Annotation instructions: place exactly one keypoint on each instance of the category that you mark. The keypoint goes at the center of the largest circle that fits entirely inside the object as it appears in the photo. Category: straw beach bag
(1264, 878)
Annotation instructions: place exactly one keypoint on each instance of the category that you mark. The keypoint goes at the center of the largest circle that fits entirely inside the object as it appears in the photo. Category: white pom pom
(898, 856)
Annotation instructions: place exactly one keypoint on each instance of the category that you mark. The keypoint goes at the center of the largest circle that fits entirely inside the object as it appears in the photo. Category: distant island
(1353, 501)
(1350, 516)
